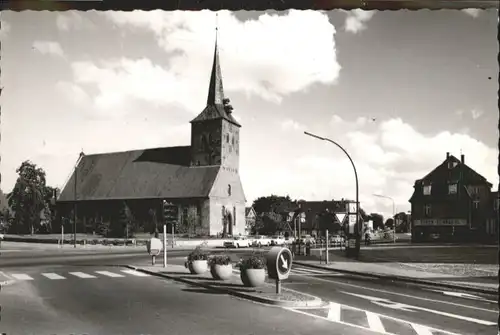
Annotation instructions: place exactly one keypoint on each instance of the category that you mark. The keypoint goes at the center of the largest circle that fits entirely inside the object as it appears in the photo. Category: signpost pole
(173, 235)
(278, 286)
(327, 251)
(62, 235)
(164, 245)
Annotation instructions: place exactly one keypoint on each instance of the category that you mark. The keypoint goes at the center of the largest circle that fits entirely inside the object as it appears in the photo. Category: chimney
(447, 155)
(462, 158)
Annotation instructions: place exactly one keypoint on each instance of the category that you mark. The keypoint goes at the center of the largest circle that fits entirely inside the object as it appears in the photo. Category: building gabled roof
(215, 101)
(139, 174)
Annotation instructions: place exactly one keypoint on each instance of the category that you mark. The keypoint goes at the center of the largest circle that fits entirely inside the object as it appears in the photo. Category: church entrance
(227, 223)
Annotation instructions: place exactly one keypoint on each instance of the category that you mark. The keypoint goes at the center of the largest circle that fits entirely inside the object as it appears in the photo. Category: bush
(253, 262)
(219, 260)
(197, 255)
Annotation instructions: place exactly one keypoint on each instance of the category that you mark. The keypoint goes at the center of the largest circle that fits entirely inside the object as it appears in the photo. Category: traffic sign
(279, 263)
(352, 207)
(352, 223)
(340, 217)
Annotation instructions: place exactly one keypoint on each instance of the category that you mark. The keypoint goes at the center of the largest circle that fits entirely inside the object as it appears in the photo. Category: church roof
(215, 100)
(139, 174)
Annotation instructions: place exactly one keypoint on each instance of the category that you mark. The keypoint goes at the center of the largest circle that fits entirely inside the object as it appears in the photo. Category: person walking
(154, 246)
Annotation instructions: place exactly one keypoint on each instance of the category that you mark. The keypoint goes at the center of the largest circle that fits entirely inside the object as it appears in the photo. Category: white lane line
(403, 295)
(421, 330)
(82, 275)
(334, 311)
(463, 295)
(109, 274)
(340, 322)
(21, 276)
(310, 270)
(135, 273)
(53, 276)
(374, 322)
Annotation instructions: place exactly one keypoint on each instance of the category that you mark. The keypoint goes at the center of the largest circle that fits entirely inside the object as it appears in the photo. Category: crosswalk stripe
(374, 322)
(334, 312)
(109, 274)
(21, 276)
(82, 275)
(421, 330)
(135, 273)
(53, 276)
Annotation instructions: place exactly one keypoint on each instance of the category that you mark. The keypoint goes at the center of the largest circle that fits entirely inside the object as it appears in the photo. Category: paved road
(366, 304)
(100, 299)
(390, 307)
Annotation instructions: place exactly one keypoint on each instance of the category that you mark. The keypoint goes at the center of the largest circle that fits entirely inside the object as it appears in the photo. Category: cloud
(356, 19)
(270, 57)
(476, 113)
(4, 29)
(290, 124)
(474, 12)
(72, 20)
(389, 156)
(73, 92)
(49, 48)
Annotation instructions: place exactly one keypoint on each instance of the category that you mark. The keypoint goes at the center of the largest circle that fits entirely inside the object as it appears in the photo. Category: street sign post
(279, 265)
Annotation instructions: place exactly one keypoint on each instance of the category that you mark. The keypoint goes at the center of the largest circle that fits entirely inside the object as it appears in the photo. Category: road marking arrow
(463, 295)
(391, 304)
(284, 261)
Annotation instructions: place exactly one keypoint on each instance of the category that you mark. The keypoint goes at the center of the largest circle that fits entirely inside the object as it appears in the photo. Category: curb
(315, 302)
(7, 283)
(404, 279)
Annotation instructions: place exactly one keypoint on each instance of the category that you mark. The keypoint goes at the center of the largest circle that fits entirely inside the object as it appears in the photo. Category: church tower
(215, 134)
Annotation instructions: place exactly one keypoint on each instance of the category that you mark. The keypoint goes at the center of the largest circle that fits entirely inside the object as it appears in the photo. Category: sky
(397, 89)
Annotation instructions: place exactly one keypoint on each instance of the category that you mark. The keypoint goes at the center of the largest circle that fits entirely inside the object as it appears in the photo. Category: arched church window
(234, 216)
(227, 138)
(233, 140)
(229, 190)
(204, 144)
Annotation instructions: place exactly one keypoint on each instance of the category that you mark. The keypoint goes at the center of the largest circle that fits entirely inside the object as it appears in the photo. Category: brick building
(201, 179)
(451, 203)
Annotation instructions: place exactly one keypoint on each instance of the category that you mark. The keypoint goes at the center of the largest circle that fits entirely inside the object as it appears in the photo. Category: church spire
(215, 90)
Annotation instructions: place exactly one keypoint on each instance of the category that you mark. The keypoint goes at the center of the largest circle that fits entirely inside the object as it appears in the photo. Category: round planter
(221, 272)
(198, 267)
(253, 277)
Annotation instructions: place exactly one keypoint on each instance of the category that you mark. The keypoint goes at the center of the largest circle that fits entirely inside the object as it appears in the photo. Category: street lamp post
(393, 214)
(356, 231)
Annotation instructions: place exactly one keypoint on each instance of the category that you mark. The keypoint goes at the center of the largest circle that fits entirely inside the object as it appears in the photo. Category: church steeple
(215, 89)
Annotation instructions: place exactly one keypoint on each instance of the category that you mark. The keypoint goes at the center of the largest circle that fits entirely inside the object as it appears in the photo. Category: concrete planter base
(253, 277)
(221, 272)
(198, 267)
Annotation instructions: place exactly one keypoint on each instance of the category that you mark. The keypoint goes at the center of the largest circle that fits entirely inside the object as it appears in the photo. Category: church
(201, 180)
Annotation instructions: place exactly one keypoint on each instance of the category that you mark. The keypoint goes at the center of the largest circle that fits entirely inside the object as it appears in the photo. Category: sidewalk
(402, 272)
(265, 294)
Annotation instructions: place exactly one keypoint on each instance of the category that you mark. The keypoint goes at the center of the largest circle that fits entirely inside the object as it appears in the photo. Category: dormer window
(452, 164)
(452, 188)
(427, 189)
(476, 204)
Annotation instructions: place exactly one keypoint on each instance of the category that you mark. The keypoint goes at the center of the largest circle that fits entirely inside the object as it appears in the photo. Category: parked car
(289, 240)
(277, 240)
(305, 239)
(237, 242)
(261, 240)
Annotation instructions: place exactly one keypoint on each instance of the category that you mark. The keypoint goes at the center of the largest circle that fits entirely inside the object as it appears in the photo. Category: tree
(125, 222)
(402, 222)
(273, 203)
(389, 223)
(27, 198)
(378, 220)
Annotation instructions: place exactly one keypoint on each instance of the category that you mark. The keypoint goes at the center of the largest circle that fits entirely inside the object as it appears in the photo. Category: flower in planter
(253, 262)
(219, 260)
(197, 255)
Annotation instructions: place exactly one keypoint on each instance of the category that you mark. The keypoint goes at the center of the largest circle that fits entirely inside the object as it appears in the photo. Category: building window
(227, 138)
(232, 140)
(496, 204)
(476, 204)
(229, 190)
(452, 189)
(427, 210)
(234, 216)
(427, 189)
